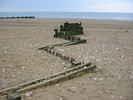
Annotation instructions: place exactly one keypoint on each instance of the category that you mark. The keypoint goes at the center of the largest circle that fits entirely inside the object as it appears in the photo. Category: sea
(77, 15)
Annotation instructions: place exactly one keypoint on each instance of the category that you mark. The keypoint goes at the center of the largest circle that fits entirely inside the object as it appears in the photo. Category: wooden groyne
(52, 79)
(67, 32)
(17, 17)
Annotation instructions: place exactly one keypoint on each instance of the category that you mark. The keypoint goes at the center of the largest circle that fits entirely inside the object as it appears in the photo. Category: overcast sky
(66, 5)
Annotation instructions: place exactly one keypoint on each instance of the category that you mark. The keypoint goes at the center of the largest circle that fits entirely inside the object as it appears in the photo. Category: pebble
(3, 69)
(131, 76)
(89, 50)
(91, 75)
(85, 67)
(61, 50)
(24, 43)
(99, 74)
(35, 45)
(96, 50)
(100, 79)
(99, 67)
(72, 89)
(96, 70)
(91, 57)
(9, 65)
(119, 76)
(63, 63)
(13, 75)
(29, 97)
(57, 85)
(110, 62)
(106, 54)
(117, 49)
(30, 45)
(23, 67)
(6, 48)
(121, 97)
(94, 78)
(103, 46)
(79, 56)
(98, 60)
(112, 68)
(122, 56)
(80, 82)
(83, 50)
(61, 98)
(28, 94)
(84, 56)
(115, 73)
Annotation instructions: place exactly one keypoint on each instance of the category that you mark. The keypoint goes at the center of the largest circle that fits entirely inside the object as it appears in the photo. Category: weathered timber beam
(56, 77)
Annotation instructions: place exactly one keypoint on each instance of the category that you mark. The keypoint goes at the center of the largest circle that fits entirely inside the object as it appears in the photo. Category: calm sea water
(82, 15)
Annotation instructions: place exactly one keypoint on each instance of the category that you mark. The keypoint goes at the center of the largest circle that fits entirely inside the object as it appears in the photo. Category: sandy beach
(109, 46)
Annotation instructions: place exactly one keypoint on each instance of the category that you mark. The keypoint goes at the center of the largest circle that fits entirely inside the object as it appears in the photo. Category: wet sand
(109, 46)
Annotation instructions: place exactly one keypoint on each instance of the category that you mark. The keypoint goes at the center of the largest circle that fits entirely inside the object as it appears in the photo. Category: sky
(66, 5)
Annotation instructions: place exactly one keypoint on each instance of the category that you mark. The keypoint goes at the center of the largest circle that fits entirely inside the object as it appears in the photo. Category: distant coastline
(17, 17)
(79, 15)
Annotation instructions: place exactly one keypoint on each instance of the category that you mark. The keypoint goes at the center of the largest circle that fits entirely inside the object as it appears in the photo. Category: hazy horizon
(59, 11)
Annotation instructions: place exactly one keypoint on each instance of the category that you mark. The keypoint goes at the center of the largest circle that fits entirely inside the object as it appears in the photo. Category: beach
(109, 46)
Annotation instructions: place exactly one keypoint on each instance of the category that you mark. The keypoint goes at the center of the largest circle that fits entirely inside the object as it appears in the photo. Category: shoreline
(128, 20)
(77, 15)
(93, 19)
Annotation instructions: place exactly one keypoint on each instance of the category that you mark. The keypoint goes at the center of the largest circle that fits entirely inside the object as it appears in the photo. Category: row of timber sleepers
(12, 93)
(13, 17)
(50, 49)
(56, 78)
(67, 32)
